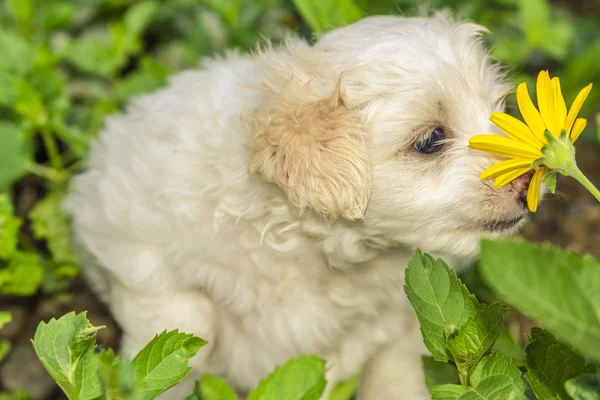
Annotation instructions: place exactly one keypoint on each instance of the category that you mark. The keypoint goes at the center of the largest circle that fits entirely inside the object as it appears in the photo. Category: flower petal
(578, 127)
(576, 107)
(505, 167)
(503, 146)
(560, 108)
(530, 114)
(515, 129)
(546, 103)
(533, 193)
(510, 176)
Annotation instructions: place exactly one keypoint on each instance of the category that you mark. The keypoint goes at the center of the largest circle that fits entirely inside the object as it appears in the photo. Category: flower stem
(576, 173)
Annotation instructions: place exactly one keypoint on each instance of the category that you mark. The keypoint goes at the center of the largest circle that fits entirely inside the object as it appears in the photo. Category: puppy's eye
(432, 143)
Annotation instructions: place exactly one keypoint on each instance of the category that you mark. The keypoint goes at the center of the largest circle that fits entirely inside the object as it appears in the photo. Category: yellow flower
(525, 141)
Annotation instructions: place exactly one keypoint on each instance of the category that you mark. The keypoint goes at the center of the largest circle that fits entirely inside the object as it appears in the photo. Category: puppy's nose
(520, 186)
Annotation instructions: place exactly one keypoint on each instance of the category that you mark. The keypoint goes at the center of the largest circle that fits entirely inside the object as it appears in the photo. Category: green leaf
(100, 53)
(442, 303)
(5, 347)
(448, 392)
(475, 338)
(15, 153)
(10, 227)
(23, 13)
(150, 76)
(117, 378)
(560, 289)
(326, 15)
(17, 54)
(583, 387)
(345, 390)
(550, 364)
(139, 16)
(212, 388)
(550, 181)
(164, 361)
(50, 222)
(22, 276)
(5, 318)
(66, 348)
(28, 103)
(302, 378)
(439, 373)
(535, 20)
(505, 344)
(494, 378)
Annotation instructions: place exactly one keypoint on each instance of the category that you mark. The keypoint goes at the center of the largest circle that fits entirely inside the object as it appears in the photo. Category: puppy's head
(373, 122)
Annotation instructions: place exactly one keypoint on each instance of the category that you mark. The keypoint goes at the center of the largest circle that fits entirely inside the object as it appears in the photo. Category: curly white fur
(178, 234)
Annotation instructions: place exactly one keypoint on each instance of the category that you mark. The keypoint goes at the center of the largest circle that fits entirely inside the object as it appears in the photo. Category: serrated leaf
(323, 16)
(442, 303)
(494, 378)
(583, 387)
(558, 288)
(477, 336)
(50, 222)
(15, 153)
(22, 276)
(550, 364)
(302, 378)
(550, 181)
(164, 361)
(66, 347)
(212, 388)
(439, 373)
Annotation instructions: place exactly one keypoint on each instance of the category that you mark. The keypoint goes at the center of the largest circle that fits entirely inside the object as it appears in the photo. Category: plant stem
(576, 173)
(51, 149)
(47, 173)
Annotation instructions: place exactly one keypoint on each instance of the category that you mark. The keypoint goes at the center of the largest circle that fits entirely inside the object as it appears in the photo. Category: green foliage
(441, 301)
(474, 348)
(475, 338)
(494, 378)
(326, 15)
(439, 373)
(67, 64)
(211, 388)
(302, 378)
(550, 364)
(561, 289)
(163, 362)
(584, 387)
(67, 349)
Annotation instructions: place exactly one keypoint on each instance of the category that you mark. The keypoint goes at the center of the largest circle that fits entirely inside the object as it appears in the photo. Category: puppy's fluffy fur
(270, 203)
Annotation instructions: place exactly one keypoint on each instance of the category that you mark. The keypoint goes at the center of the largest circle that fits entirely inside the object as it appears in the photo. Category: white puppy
(269, 203)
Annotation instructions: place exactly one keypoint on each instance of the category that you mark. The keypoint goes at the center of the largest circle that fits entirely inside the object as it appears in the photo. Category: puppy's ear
(315, 150)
